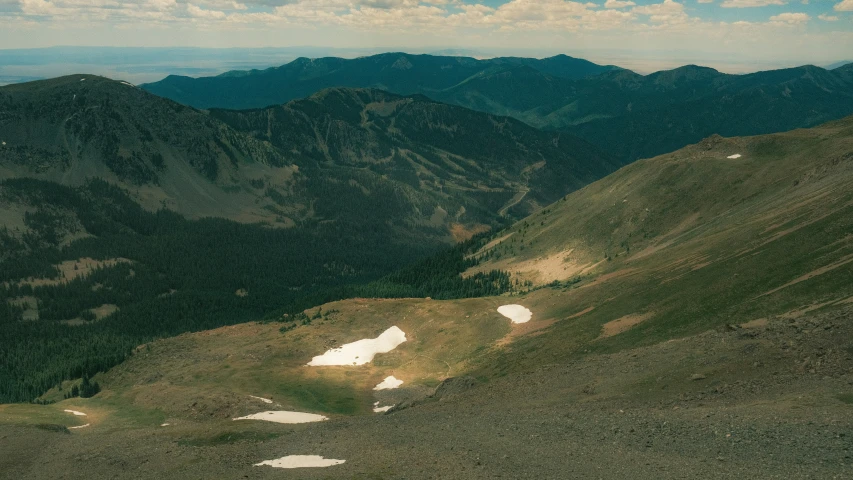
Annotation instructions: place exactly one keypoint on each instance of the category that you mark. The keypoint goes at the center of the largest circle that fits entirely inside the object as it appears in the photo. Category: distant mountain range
(835, 65)
(396, 72)
(628, 115)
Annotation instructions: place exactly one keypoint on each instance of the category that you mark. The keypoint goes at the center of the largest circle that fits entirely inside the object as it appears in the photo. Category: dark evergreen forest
(183, 276)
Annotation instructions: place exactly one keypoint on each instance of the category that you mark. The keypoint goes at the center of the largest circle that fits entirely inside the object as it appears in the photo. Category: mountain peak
(686, 73)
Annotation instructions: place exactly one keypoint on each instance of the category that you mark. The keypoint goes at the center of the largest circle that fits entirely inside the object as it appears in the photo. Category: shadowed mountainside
(630, 116)
(397, 72)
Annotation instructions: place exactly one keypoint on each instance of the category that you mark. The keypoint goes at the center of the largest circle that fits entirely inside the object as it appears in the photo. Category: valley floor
(770, 400)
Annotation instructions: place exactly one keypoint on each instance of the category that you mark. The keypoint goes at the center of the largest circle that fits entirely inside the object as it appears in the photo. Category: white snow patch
(82, 79)
(362, 351)
(81, 426)
(389, 383)
(301, 461)
(382, 409)
(165, 424)
(734, 157)
(265, 400)
(516, 313)
(75, 412)
(128, 84)
(285, 417)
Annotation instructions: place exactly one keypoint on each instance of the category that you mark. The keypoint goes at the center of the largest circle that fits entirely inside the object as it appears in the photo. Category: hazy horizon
(733, 36)
(147, 64)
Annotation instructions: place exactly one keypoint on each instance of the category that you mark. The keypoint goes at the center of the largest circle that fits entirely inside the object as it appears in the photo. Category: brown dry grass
(461, 233)
(72, 269)
(623, 324)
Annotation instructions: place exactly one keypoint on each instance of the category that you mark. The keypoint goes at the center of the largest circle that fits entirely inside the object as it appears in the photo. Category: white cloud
(568, 22)
(669, 12)
(827, 18)
(618, 4)
(222, 5)
(197, 12)
(790, 18)
(37, 7)
(751, 3)
(845, 6)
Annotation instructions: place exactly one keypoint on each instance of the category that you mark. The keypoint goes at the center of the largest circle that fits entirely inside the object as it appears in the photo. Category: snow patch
(285, 417)
(165, 424)
(301, 461)
(389, 383)
(265, 400)
(75, 412)
(382, 409)
(128, 84)
(734, 157)
(516, 313)
(81, 426)
(362, 351)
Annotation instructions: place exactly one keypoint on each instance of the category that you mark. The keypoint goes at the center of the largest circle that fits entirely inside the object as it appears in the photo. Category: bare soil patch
(623, 324)
(460, 232)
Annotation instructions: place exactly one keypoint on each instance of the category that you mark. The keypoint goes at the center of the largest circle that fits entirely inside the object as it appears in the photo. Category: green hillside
(463, 160)
(727, 231)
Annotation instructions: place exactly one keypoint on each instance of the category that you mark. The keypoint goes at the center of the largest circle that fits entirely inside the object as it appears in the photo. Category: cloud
(790, 18)
(845, 6)
(222, 5)
(197, 12)
(752, 3)
(618, 4)
(705, 1)
(827, 18)
(37, 7)
(669, 12)
(438, 20)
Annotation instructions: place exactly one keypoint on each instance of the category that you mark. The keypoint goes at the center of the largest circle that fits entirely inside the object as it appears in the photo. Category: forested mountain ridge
(633, 116)
(400, 73)
(70, 129)
(628, 115)
(669, 110)
(439, 150)
(335, 157)
(69, 123)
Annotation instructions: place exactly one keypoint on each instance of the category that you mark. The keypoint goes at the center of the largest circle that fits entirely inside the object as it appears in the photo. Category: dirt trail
(515, 200)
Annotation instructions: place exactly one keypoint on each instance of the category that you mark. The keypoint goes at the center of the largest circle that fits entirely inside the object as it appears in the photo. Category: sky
(732, 34)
